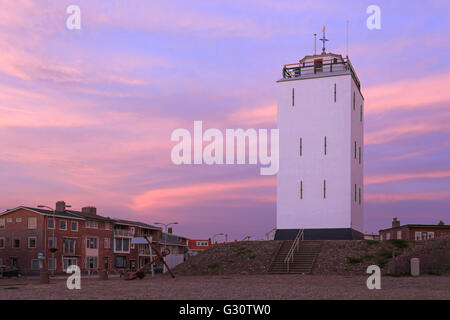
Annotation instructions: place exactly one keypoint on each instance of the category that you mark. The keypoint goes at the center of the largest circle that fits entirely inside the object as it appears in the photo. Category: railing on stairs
(295, 246)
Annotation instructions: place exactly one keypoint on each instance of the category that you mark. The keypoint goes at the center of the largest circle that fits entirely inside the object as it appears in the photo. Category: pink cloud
(394, 197)
(201, 193)
(405, 176)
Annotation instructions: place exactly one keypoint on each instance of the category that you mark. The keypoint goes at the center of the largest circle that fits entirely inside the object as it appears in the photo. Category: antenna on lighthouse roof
(346, 40)
(323, 40)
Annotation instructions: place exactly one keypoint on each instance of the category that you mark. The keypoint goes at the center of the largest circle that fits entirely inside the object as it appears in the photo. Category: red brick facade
(416, 232)
(91, 241)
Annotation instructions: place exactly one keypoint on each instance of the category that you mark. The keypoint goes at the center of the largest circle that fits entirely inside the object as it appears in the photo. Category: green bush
(399, 243)
(372, 242)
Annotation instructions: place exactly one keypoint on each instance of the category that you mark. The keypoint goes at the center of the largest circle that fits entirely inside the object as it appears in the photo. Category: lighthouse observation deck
(319, 66)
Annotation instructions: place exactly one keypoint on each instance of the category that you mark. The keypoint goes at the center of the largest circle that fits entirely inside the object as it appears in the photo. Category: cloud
(408, 94)
(199, 193)
(395, 197)
(386, 178)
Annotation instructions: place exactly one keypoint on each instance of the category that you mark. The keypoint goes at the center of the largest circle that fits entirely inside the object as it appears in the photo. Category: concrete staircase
(304, 258)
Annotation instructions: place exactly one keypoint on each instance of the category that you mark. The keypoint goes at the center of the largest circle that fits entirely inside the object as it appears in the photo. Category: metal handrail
(294, 247)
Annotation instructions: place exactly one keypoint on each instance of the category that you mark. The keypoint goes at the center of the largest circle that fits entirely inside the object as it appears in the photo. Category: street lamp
(165, 238)
(53, 233)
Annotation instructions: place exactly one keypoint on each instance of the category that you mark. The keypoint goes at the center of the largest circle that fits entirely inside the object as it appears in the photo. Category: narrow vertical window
(324, 189)
(359, 195)
(335, 92)
(355, 192)
(301, 189)
(355, 149)
(359, 155)
(325, 145)
(354, 100)
(301, 147)
(360, 113)
(293, 97)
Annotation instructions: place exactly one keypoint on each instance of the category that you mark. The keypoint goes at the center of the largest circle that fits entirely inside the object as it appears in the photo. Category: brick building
(66, 237)
(415, 231)
(197, 245)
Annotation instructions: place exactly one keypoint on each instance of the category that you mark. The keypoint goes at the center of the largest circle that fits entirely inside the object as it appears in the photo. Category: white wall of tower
(314, 116)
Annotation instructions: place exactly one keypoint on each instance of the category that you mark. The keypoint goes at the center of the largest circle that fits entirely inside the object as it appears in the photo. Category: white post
(415, 267)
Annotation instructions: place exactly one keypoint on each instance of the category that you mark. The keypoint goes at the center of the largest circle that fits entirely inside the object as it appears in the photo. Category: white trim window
(69, 261)
(50, 223)
(32, 223)
(69, 245)
(18, 220)
(9, 220)
(74, 226)
(399, 234)
(122, 245)
(32, 242)
(35, 264)
(91, 224)
(107, 243)
(388, 236)
(92, 243)
(91, 262)
(2, 224)
(52, 242)
(107, 226)
(2, 243)
(51, 264)
(418, 235)
(62, 224)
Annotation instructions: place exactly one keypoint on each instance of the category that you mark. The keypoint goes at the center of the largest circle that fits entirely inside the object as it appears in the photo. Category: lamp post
(217, 234)
(166, 225)
(53, 233)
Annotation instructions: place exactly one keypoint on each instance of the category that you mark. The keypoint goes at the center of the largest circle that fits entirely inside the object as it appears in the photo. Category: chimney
(169, 230)
(89, 210)
(60, 206)
(395, 223)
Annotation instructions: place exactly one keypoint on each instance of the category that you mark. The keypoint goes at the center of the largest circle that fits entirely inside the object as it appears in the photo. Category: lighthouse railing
(295, 246)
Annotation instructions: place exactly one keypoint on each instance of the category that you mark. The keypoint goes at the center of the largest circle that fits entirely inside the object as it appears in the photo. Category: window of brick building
(32, 223)
(63, 225)
(35, 265)
(2, 224)
(52, 242)
(52, 264)
(91, 243)
(91, 262)
(18, 220)
(32, 243)
(107, 243)
(51, 223)
(74, 226)
(2, 243)
(121, 262)
(16, 243)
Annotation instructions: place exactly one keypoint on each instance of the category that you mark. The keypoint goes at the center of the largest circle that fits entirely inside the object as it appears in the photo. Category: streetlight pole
(166, 225)
(217, 234)
(53, 233)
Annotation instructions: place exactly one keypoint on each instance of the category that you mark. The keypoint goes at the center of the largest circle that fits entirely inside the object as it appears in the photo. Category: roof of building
(170, 238)
(419, 226)
(65, 214)
(136, 223)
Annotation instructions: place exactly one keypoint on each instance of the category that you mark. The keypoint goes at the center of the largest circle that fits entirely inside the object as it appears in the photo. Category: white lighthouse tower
(320, 178)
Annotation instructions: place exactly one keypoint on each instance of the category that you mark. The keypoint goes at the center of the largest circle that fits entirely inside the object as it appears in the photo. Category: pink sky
(86, 115)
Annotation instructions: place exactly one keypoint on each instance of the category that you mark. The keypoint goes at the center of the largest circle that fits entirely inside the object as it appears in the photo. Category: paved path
(233, 287)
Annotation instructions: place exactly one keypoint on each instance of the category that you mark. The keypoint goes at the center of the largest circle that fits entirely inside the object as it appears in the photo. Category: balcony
(123, 233)
(144, 251)
(325, 67)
